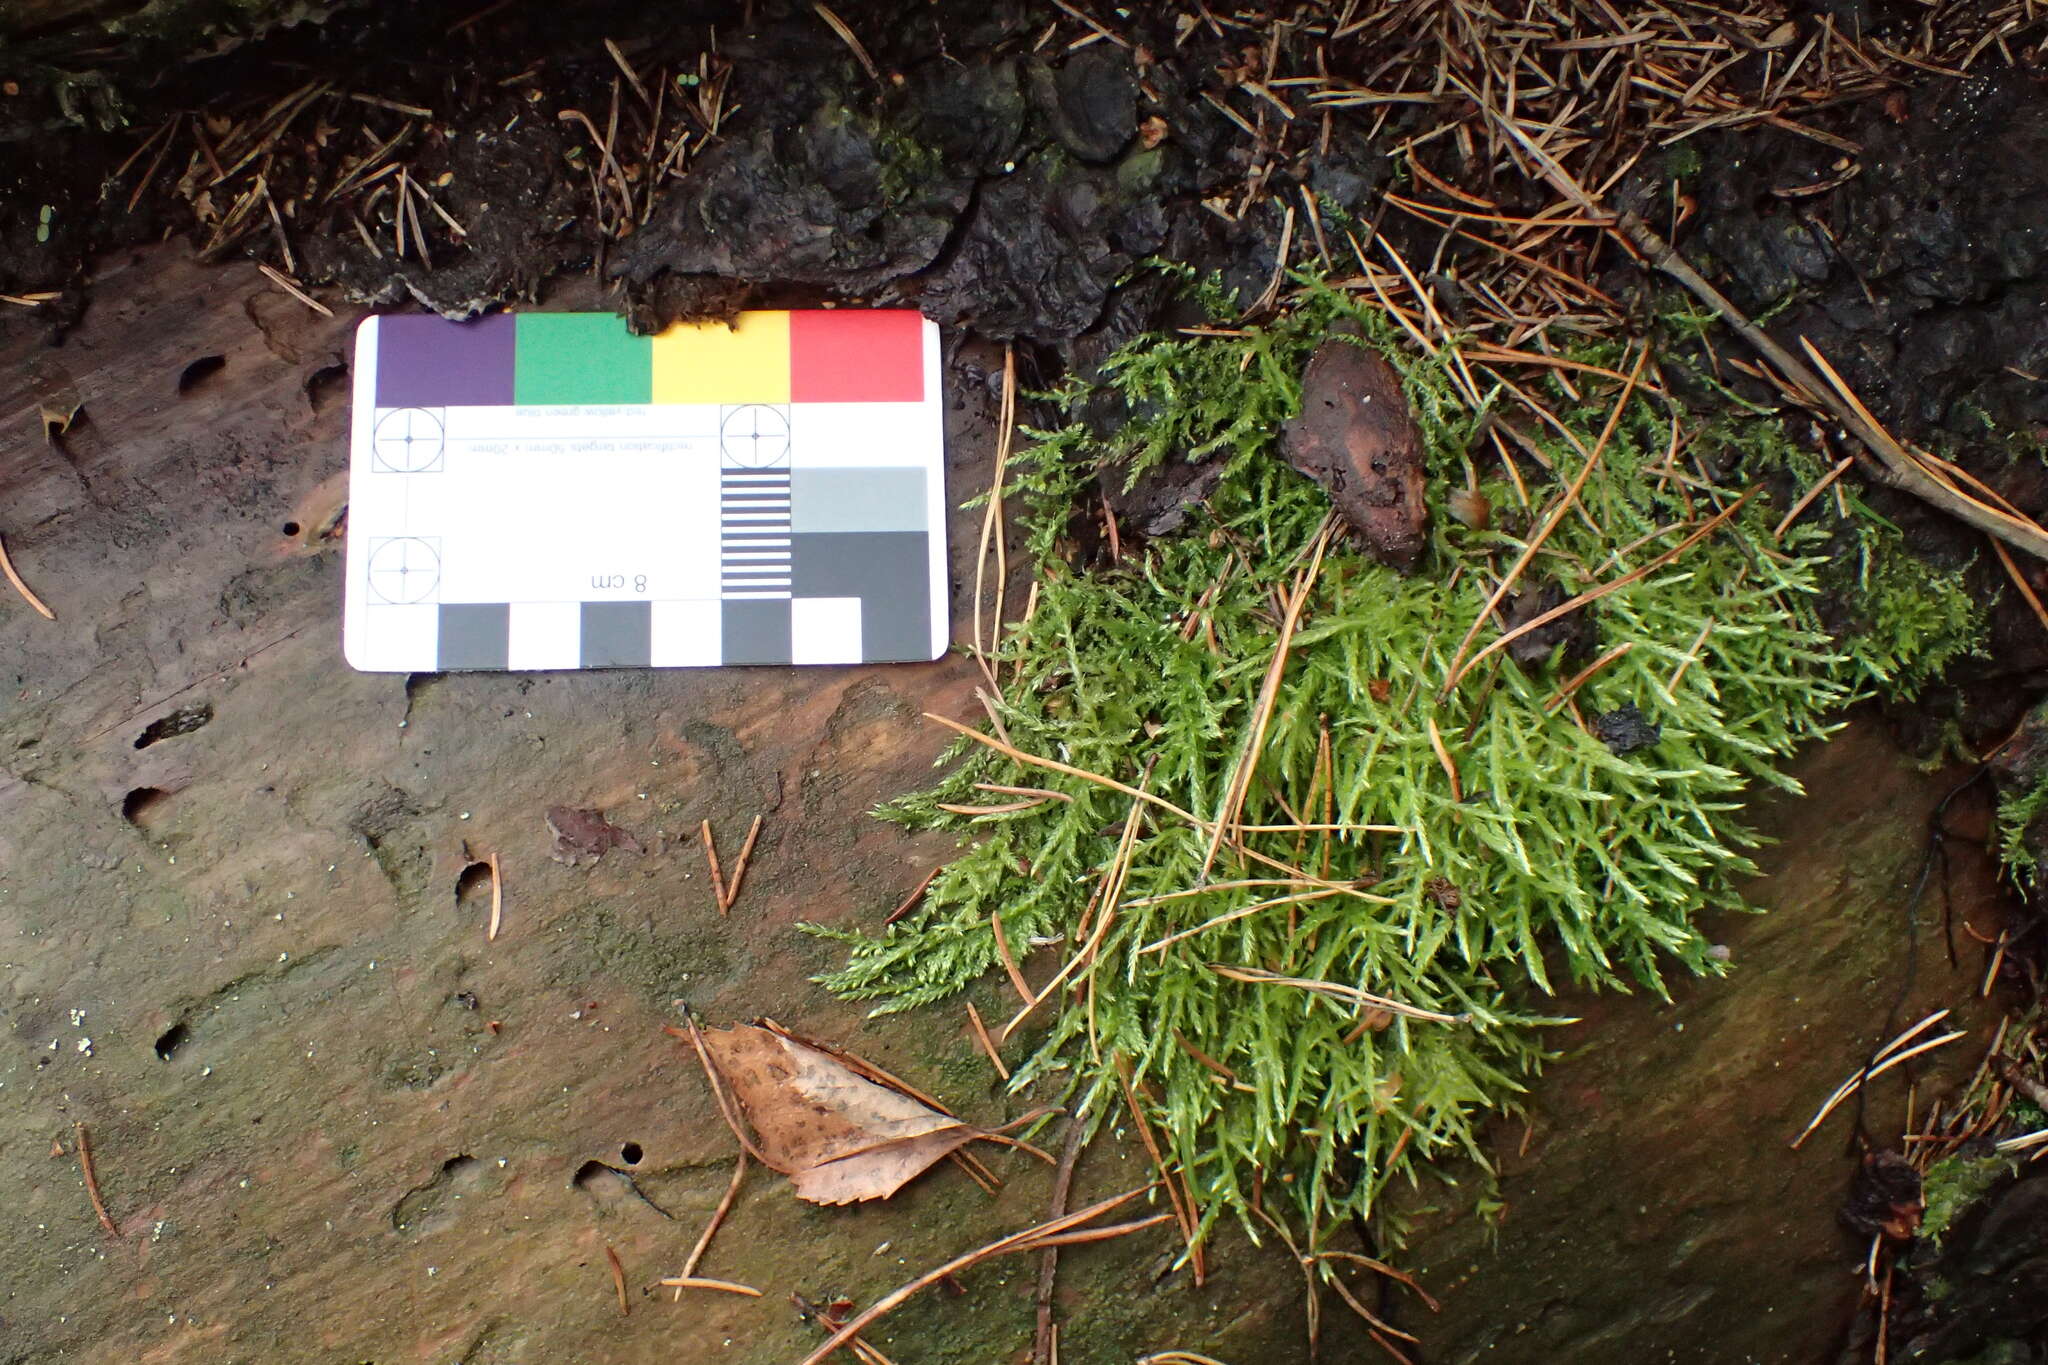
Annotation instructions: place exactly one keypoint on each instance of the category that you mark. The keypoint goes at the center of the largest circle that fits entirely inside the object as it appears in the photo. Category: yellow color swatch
(709, 362)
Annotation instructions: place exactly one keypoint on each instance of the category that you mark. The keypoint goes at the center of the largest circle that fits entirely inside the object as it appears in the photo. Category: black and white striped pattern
(753, 532)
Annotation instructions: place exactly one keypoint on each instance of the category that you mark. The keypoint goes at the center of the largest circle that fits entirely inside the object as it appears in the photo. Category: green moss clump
(2017, 811)
(909, 167)
(1952, 1185)
(1491, 847)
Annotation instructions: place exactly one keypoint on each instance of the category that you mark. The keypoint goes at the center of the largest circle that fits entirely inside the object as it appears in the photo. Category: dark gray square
(889, 571)
(473, 635)
(617, 635)
(754, 631)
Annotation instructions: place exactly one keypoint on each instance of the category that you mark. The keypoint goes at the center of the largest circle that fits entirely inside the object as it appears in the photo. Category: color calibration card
(546, 490)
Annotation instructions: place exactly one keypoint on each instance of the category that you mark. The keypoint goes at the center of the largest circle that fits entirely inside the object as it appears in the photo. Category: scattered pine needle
(7, 567)
(497, 899)
(1806, 499)
(1502, 641)
(618, 1279)
(847, 36)
(92, 1179)
(987, 1044)
(1269, 696)
(1183, 1203)
(910, 901)
(717, 1082)
(720, 1286)
(2019, 580)
(291, 286)
(739, 1173)
(1579, 679)
(1017, 981)
(1443, 758)
(711, 856)
(994, 534)
(1063, 1231)
(1034, 760)
(1259, 976)
(1551, 521)
(739, 867)
(1884, 1059)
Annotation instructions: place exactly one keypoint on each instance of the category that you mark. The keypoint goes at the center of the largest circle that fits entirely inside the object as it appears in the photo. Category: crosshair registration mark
(406, 569)
(755, 436)
(409, 441)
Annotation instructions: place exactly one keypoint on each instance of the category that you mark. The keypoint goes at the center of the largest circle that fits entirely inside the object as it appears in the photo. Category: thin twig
(1043, 1340)
(1833, 394)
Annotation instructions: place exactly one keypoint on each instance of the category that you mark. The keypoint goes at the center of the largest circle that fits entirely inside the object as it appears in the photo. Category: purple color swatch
(429, 362)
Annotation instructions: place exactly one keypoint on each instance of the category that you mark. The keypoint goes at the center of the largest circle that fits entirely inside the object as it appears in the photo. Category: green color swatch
(581, 358)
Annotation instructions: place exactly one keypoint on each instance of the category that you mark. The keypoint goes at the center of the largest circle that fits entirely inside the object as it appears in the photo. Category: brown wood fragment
(1356, 437)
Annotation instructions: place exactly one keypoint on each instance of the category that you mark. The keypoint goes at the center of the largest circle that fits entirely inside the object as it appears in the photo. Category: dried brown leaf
(839, 1136)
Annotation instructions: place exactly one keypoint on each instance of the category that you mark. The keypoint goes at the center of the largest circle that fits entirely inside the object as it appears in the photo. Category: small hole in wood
(170, 1040)
(199, 371)
(144, 806)
(182, 721)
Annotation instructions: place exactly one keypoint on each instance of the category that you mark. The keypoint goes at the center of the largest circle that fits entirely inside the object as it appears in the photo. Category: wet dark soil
(1002, 184)
(1912, 249)
(964, 161)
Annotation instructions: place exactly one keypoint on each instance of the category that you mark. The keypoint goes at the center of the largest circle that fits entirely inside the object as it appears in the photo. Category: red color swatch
(856, 356)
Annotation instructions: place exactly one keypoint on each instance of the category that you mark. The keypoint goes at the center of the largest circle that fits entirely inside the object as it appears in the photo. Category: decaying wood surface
(329, 1117)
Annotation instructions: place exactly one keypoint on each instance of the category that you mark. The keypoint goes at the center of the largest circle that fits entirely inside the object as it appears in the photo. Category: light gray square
(824, 500)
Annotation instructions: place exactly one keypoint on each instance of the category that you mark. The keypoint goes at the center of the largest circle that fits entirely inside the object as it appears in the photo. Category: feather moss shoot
(1364, 969)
